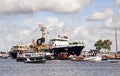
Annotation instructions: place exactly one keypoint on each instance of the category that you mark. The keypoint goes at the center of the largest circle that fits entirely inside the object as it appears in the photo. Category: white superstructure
(63, 42)
(20, 47)
(59, 41)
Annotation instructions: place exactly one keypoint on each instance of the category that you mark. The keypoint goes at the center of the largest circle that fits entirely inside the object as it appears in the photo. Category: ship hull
(13, 55)
(71, 50)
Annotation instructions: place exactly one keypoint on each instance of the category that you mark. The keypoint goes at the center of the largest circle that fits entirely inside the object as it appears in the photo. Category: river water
(9, 67)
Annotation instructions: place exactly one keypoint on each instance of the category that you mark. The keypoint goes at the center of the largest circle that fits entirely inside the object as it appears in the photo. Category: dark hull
(71, 50)
(13, 55)
(21, 59)
(36, 61)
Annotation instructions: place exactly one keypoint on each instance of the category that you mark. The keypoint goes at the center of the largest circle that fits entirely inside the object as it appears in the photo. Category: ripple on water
(9, 67)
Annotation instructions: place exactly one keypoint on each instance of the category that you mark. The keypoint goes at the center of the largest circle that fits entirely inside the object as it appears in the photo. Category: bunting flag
(50, 47)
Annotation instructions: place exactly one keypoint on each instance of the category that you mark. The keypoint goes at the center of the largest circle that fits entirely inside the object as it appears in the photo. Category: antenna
(6, 45)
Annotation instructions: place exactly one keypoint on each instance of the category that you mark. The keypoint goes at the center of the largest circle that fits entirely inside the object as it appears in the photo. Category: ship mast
(116, 40)
(6, 45)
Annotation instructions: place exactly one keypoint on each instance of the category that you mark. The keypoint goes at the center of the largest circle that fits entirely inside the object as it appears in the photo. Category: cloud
(84, 33)
(9, 7)
(101, 15)
(13, 34)
(89, 35)
(109, 17)
(97, 16)
(113, 22)
(118, 2)
(24, 32)
(27, 21)
(53, 22)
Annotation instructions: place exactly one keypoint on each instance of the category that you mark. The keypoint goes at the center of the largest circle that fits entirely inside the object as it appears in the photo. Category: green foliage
(99, 44)
(73, 43)
(106, 44)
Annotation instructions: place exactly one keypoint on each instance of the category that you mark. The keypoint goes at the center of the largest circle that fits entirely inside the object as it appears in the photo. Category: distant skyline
(81, 20)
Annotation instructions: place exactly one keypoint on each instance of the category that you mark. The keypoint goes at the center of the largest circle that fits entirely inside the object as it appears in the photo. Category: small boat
(35, 61)
(77, 58)
(94, 58)
(114, 61)
(4, 55)
(104, 58)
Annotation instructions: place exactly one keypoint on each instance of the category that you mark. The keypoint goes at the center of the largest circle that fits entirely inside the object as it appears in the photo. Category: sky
(82, 20)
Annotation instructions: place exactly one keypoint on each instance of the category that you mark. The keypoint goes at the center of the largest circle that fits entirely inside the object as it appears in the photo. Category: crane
(41, 45)
(43, 28)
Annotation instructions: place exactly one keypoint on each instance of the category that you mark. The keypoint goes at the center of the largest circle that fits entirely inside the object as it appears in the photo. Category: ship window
(52, 42)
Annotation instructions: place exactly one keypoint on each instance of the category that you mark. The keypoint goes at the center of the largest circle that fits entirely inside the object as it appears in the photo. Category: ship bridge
(60, 41)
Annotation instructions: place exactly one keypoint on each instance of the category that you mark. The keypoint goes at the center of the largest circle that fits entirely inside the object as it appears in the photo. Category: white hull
(96, 58)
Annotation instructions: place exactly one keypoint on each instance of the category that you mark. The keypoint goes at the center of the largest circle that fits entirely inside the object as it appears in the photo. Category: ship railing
(68, 45)
(77, 45)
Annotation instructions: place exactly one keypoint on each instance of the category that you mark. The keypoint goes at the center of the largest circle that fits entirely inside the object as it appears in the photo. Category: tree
(99, 44)
(106, 44)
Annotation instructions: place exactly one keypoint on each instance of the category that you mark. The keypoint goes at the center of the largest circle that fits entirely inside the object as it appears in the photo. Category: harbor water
(9, 67)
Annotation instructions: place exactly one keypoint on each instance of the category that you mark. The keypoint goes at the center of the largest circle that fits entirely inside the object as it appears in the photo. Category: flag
(48, 33)
(40, 24)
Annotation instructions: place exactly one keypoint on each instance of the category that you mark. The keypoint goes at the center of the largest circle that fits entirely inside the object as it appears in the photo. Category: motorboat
(77, 58)
(93, 58)
(35, 61)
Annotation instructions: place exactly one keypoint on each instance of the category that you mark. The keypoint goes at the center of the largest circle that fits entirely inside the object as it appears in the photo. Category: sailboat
(115, 60)
(4, 55)
(116, 42)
